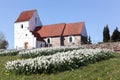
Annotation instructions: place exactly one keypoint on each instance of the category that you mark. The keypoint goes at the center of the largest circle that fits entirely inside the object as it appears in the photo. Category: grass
(104, 70)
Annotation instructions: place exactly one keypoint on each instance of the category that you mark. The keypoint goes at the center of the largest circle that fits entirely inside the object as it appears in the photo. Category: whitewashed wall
(23, 35)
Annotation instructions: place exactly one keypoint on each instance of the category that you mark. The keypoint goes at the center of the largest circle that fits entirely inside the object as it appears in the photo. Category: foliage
(58, 62)
(106, 35)
(116, 35)
(4, 44)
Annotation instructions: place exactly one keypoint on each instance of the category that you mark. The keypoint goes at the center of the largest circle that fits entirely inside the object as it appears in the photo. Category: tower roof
(25, 16)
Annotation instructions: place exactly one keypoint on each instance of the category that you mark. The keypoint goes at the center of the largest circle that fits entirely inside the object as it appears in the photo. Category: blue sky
(95, 13)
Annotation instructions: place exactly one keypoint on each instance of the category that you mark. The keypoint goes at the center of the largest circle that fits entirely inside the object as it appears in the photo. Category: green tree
(3, 42)
(106, 35)
(115, 35)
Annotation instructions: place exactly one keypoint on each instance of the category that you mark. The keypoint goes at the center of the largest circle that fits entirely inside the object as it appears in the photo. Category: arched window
(22, 26)
(25, 34)
(70, 39)
(48, 40)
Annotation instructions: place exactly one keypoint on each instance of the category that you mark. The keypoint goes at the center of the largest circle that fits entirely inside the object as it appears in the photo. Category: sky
(95, 13)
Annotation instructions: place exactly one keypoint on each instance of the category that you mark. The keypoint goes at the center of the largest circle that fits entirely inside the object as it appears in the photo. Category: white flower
(59, 58)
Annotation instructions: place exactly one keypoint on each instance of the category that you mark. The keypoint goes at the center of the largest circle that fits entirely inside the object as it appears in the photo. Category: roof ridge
(53, 24)
(29, 10)
(76, 22)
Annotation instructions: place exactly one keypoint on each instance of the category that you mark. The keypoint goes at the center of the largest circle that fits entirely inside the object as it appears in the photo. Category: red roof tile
(25, 16)
(53, 30)
(73, 29)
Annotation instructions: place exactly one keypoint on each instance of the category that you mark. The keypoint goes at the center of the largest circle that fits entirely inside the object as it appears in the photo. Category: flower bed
(44, 51)
(60, 61)
(8, 52)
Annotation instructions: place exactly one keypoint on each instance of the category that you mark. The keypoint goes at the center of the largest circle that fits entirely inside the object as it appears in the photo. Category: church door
(26, 45)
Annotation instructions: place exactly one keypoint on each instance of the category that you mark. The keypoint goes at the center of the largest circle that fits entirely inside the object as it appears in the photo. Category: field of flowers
(31, 53)
(8, 52)
(55, 60)
(45, 51)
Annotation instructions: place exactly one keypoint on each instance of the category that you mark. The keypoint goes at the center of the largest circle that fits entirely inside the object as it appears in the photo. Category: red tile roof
(62, 29)
(38, 37)
(73, 29)
(25, 16)
(53, 30)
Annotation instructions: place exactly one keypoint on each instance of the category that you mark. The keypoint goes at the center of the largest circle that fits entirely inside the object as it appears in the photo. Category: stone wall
(76, 41)
(110, 45)
(59, 41)
(56, 41)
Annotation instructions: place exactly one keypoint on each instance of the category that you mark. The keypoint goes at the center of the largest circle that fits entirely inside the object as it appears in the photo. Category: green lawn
(104, 70)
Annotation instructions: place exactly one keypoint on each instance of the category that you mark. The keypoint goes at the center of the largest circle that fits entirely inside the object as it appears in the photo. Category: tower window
(25, 34)
(22, 26)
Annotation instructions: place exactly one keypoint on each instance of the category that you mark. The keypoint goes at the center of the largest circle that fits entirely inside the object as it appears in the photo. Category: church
(29, 32)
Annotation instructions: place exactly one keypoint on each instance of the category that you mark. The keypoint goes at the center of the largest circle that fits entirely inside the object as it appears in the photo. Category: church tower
(23, 27)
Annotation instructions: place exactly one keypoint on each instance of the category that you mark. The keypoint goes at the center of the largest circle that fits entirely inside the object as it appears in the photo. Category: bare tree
(3, 42)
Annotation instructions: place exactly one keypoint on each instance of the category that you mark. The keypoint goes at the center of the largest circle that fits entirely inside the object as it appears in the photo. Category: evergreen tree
(106, 35)
(116, 35)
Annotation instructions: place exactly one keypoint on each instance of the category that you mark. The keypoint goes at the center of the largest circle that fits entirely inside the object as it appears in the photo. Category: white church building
(29, 32)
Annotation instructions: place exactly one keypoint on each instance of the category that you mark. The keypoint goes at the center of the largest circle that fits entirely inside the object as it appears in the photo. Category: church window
(70, 39)
(48, 40)
(22, 26)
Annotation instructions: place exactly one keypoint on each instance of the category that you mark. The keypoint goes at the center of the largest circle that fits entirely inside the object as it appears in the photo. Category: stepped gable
(38, 37)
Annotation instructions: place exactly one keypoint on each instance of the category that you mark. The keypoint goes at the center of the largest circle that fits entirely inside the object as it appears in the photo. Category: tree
(3, 42)
(89, 40)
(115, 35)
(106, 35)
